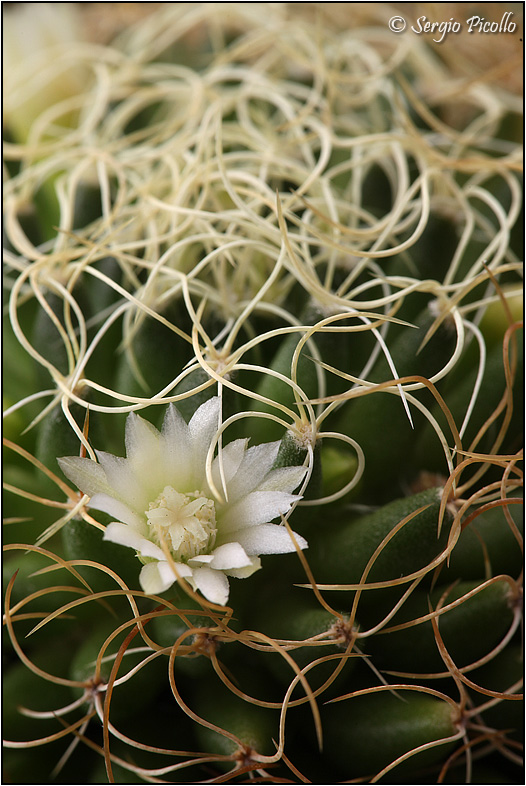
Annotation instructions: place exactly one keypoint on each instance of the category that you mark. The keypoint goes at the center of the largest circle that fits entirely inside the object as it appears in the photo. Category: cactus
(276, 258)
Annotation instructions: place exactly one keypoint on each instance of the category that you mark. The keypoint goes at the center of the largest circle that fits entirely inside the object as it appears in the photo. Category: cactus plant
(274, 257)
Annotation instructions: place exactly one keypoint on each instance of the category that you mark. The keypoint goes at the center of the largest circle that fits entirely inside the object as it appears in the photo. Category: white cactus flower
(166, 510)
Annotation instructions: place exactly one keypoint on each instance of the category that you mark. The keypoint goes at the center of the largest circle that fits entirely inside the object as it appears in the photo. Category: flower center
(185, 523)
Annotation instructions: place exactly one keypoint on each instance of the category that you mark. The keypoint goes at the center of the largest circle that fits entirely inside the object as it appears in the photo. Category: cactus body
(263, 361)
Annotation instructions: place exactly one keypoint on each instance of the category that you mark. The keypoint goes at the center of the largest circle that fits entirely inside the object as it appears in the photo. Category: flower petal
(283, 479)
(226, 464)
(201, 559)
(257, 462)
(258, 507)
(118, 510)
(142, 440)
(86, 474)
(202, 428)
(151, 456)
(244, 573)
(175, 448)
(125, 484)
(267, 539)
(212, 583)
(230, 555)
(117, 532)
(156, 577)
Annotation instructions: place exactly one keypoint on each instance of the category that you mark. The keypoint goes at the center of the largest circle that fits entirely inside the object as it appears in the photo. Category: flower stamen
(186, 523)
